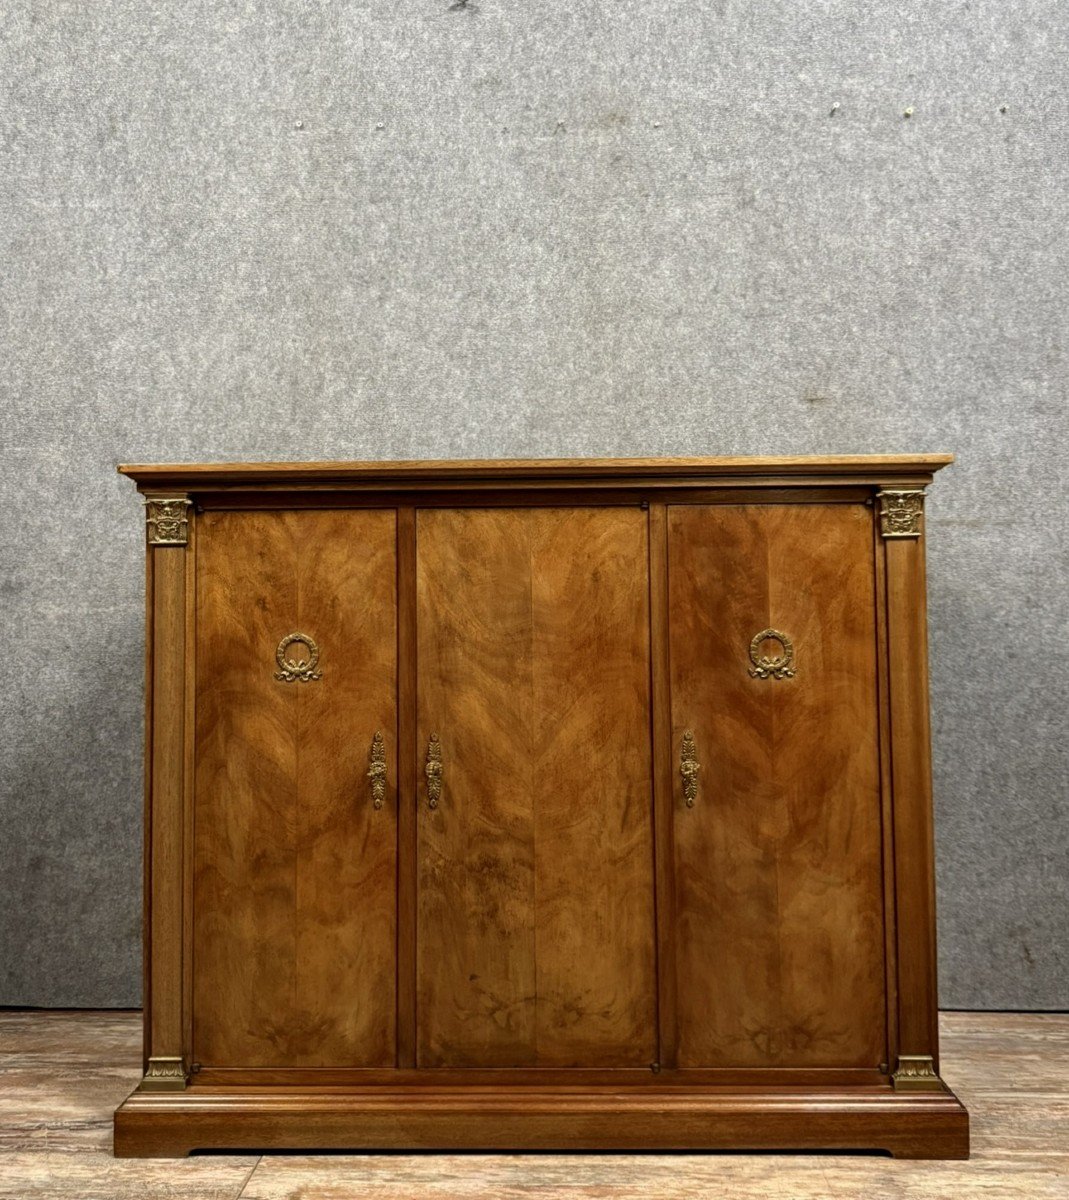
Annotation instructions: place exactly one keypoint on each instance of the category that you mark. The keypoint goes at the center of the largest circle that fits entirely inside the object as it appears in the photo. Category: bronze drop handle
(433, 771)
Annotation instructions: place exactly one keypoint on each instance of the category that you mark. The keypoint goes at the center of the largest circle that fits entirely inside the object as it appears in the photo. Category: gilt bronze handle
(376, 771)
(689, 768)
(433, 771)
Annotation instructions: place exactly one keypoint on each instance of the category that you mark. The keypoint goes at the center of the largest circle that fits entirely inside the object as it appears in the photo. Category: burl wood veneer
(539, 804)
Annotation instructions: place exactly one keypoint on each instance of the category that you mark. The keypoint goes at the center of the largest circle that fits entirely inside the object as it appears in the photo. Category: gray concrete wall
(345, 229)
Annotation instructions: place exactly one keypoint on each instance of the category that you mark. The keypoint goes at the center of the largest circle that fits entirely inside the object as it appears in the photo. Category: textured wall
(442, 229)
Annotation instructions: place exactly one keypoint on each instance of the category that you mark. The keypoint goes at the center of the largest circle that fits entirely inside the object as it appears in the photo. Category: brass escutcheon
(433, 771)
(376, 771)
(689, 768)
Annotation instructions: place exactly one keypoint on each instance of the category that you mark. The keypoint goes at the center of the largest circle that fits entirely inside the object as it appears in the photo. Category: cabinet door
(535, 942)
(779, 891)
(294, 867)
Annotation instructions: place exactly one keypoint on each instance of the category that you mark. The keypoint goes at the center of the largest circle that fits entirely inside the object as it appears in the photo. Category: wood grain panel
(663, 787)
(346, 849)
(407, 788)
(245, 791)
(475, 947)
(294, 877)
(536, 930)
(779, 880)
(594, 890)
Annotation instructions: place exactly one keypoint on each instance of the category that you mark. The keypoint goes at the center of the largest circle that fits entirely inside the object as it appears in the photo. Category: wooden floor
(62, 1074)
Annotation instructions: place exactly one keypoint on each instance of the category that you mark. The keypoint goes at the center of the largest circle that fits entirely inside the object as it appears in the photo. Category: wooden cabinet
(577, 804)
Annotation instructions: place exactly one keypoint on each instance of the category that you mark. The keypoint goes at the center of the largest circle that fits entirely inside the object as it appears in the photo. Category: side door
(295, 843)
(779, 890)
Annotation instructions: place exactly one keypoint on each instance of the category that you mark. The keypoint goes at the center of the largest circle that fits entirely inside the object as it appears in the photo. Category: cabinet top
(874, 468)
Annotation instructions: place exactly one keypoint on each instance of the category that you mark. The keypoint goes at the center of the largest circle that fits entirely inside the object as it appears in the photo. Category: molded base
(912, 1125)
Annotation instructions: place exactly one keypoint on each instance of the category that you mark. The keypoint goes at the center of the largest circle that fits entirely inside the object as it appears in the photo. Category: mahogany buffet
(570, 804)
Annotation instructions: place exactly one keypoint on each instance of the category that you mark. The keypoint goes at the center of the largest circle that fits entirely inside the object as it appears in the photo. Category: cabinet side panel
(165, 1024)
(779, 877)
(146, 856)
(912, 776)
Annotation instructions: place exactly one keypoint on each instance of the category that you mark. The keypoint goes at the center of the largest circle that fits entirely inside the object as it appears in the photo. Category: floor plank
(61, 1075)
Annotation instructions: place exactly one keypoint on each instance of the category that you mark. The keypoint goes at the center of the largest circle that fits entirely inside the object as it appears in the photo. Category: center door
(535, 935)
